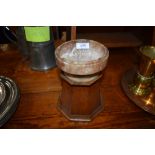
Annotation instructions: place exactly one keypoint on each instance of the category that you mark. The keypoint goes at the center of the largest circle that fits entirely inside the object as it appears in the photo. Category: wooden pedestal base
(80, 103)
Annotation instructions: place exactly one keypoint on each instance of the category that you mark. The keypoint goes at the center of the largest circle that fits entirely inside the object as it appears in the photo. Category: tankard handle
(6, 29)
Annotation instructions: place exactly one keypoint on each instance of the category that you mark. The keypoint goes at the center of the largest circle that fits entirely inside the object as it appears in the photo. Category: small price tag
(82, 45)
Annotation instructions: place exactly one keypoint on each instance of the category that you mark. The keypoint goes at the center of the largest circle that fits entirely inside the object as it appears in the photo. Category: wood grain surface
(40, 93)
(113, 39)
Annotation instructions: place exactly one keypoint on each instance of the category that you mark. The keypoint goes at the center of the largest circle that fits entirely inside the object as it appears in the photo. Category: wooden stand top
(40, 93)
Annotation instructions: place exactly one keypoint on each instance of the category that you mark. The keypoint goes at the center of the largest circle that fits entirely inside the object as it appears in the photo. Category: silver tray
(9, 97)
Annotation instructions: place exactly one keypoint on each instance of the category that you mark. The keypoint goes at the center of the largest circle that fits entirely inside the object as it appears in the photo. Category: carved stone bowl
(81, 57)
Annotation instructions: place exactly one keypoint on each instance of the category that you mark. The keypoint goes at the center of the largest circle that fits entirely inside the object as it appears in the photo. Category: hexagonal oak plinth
(80, 103)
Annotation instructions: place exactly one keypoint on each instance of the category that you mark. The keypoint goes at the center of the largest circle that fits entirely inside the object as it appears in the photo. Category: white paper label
(82, 45)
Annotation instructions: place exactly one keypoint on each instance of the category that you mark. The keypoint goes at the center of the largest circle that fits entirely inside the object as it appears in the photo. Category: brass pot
(145, 73)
